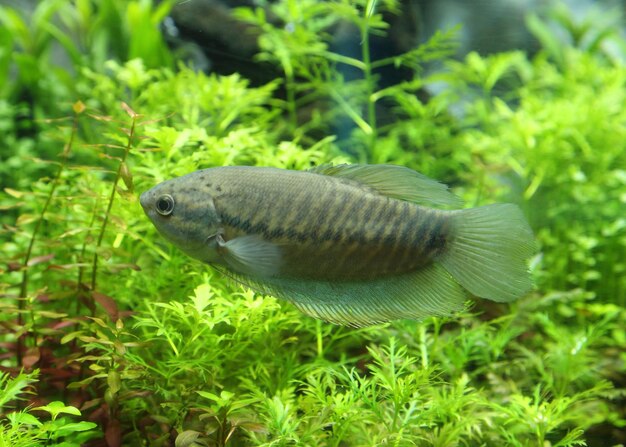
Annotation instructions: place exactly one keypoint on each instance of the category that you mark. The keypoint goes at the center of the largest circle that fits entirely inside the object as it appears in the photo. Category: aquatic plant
(23, 428)
(157, 350)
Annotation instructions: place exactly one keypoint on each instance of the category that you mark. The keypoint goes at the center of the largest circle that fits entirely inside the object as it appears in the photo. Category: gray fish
(349, 244)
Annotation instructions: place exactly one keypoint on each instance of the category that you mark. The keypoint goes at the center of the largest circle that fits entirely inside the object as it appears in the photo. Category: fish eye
(165, 205)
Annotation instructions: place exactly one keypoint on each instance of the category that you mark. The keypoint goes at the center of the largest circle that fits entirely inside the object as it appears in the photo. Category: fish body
(351, 244)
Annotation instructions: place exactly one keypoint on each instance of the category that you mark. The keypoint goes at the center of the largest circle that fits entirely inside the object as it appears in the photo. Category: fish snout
(144, 199)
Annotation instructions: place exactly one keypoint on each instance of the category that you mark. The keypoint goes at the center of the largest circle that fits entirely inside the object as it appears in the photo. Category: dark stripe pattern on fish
(350, 244)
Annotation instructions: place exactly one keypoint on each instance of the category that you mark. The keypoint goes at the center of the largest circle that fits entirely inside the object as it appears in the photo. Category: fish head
(183, 211)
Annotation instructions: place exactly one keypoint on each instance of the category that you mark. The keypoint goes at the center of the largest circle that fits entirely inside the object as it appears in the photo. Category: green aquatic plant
(298, 40)
(43, 51)
(22, 428)
(158, 350)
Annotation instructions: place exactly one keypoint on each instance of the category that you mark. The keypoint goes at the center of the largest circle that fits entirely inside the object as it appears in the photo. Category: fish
(351, 244)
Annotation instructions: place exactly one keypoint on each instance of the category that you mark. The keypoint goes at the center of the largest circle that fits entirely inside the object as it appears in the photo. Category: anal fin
(416, 295)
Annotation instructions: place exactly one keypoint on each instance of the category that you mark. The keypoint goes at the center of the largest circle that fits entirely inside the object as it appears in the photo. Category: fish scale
(325, 223)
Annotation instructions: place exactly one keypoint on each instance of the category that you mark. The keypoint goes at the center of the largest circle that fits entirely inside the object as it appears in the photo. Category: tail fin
(487, 251)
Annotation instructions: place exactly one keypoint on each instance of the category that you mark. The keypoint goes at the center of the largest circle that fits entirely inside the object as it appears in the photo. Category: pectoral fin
(251, 255)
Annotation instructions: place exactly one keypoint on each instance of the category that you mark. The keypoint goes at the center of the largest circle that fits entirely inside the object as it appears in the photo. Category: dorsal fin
(394, 181)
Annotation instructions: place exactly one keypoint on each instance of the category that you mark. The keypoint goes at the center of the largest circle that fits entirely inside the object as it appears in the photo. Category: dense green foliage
(98, 313)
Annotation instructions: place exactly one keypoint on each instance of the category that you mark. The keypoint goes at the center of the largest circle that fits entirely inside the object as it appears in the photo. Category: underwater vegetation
(110, 336)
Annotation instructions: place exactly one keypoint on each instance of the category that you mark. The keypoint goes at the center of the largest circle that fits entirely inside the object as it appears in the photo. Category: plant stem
(320, 339)
(368, 75)
(118, 175)
(81, 258)
(423, 347)
(291, 99)
(31, 244)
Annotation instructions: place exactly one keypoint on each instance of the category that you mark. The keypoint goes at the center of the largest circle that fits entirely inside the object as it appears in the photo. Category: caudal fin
(488, 250)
